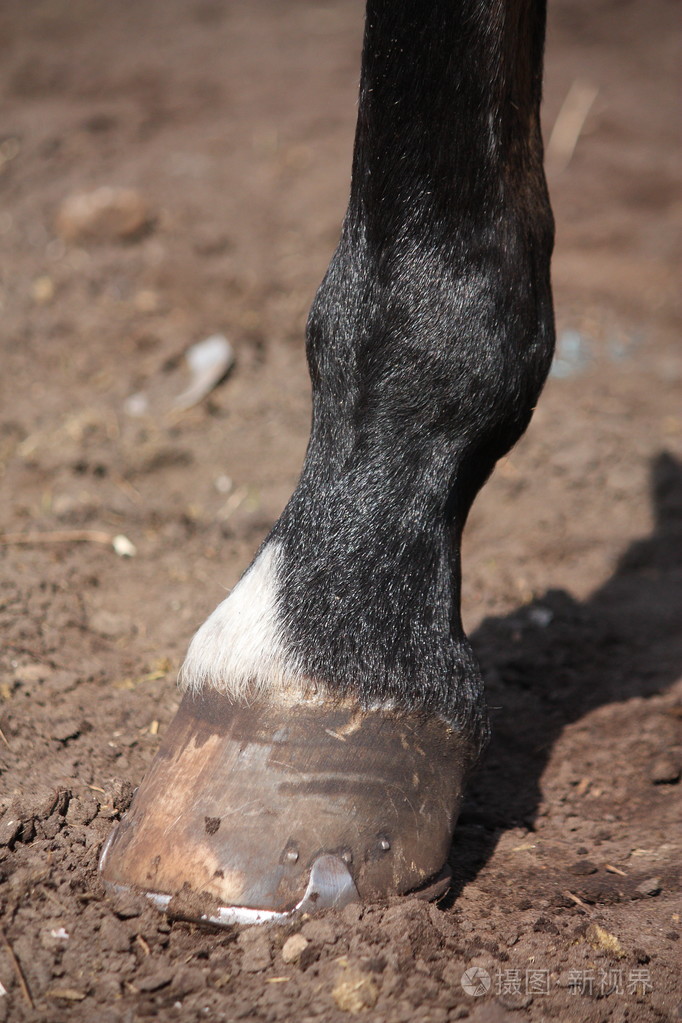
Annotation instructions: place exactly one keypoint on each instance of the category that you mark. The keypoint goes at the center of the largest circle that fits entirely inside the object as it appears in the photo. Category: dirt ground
(234, 123)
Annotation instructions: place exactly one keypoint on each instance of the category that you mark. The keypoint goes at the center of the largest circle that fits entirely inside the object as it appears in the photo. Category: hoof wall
(253, 813)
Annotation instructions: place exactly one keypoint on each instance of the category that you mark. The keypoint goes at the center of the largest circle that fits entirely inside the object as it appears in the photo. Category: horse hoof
(256, 812)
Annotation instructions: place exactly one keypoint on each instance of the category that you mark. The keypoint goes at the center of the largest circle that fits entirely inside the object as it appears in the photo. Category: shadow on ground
(554, 661)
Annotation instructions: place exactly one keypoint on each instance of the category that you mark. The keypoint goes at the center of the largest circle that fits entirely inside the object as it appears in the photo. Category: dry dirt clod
(110, 624)
(29, 674)
(256, 949)
(65, 729)
(355, 991)
(293, 947)
(106, 214)
(155, 981)
(119, 794)
(113, 935)
(10, 826)
(665, 770)
(128, 905)
(322, 931)
(515, 1002)
(82, 810)
(600, 938)
(582, 868)
(188, 979)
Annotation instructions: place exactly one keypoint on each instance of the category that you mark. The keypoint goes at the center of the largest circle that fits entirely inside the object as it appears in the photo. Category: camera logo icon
(476, 981)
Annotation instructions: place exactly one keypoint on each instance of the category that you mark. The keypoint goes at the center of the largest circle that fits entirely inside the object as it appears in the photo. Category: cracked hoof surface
(256, 812)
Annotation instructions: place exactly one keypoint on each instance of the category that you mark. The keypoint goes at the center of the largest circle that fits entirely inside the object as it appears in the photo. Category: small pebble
(42, 290)
(136, 404)
(123, 546)
(540, 616)
(223, 484)
(106, 214)
(208, 362)
(652, 886)
(293, 947)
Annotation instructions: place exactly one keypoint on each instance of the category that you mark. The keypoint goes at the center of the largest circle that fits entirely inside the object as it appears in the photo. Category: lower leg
(428, 344)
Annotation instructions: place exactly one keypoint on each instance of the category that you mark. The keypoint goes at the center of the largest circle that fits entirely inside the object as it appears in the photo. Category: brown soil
(234, 122)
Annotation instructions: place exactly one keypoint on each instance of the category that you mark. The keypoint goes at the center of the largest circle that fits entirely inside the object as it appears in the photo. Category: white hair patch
(240, 648)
